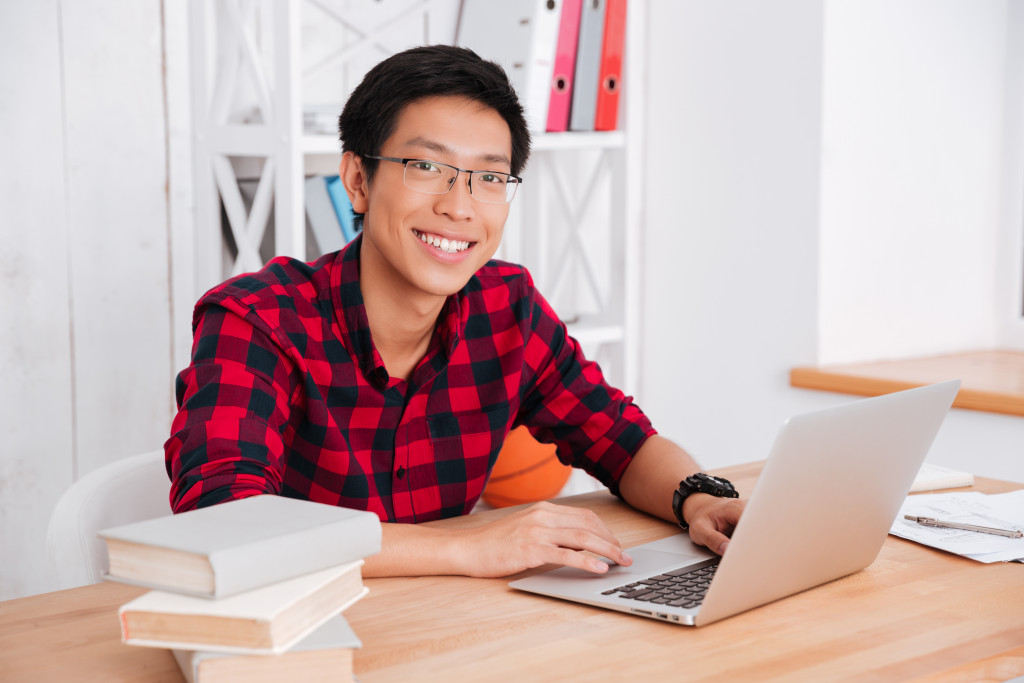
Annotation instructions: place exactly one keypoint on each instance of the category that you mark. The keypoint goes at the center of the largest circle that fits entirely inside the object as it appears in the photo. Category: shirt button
(401, 472)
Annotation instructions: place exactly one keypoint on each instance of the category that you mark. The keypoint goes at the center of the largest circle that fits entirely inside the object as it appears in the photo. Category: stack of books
(252, 589)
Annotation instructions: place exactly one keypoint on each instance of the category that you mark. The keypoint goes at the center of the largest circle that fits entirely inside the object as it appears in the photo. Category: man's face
(402, 225)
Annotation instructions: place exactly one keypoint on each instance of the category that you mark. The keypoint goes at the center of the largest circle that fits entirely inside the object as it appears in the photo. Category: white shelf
(315, 144)
(321, 144)
(587, 333)
(550, 142)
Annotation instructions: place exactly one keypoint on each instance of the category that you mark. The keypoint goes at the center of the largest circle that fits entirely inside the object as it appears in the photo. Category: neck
(401, 318)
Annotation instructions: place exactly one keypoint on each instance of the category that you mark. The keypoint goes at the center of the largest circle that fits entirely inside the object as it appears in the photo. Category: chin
(444, 286)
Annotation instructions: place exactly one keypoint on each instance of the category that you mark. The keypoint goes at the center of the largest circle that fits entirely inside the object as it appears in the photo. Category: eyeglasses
(433, 177)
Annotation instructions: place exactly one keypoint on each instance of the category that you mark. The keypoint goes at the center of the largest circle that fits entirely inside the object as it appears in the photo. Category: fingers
(714, 521)
(555, 534)
(568, 517)
(579, 529)
(567, 545)
(715, 541)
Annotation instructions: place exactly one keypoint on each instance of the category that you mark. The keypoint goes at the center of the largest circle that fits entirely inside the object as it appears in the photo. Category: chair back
(129, 490)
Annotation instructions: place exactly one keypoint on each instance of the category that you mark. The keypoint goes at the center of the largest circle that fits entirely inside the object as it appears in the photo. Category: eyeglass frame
(451, 184)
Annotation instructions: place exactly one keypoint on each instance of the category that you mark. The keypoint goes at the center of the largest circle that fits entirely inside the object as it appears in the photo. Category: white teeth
(445, 245)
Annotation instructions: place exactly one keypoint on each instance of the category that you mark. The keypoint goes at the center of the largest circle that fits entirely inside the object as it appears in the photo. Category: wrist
(413, 550)
(694, 502)
(699, 484)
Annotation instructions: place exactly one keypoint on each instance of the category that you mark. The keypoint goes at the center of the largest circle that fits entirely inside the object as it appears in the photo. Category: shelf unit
(575, 224)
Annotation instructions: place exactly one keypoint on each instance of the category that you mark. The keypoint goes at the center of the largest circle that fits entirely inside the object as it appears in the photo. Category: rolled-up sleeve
(233, 408)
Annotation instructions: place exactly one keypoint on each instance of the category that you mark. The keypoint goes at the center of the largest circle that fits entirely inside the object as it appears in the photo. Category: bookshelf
(257, 63)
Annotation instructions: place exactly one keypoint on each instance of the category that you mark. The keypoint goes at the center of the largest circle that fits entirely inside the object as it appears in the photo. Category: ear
(353, 177)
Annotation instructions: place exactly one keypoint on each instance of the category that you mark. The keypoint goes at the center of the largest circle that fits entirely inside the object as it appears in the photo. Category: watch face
(716, 486)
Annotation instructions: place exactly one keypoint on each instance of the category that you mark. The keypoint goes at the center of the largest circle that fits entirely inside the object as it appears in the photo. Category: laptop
(821, 509)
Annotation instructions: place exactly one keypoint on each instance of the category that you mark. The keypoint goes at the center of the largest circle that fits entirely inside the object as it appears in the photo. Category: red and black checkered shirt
(286, 394)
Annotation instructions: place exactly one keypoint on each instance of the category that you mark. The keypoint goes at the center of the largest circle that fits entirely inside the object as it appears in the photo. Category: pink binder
(565, 65)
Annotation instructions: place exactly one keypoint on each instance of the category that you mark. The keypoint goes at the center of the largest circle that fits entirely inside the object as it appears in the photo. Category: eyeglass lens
(434, 177)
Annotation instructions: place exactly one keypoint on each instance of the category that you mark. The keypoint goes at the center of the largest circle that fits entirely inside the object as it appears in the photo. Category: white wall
(36, 432)
(84, 307)
(922, 190)
(911, 186)
(731, 231)
(846, 177)
(1010, 241)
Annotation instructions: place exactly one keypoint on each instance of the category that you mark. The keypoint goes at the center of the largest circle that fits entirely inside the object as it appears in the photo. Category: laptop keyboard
(678, 588)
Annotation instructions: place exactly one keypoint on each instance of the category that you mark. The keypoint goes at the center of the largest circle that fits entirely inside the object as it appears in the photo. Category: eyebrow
(442, 149)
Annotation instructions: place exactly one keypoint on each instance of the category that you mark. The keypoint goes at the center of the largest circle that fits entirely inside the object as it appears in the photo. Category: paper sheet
(1002, 510)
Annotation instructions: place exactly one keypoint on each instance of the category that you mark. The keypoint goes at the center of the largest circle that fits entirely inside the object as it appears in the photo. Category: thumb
(704, 533)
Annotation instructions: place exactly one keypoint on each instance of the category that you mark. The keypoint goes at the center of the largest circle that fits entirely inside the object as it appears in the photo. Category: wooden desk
(915, 614)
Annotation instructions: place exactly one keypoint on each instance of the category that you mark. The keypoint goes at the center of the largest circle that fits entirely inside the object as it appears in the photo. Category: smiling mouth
(443, 243)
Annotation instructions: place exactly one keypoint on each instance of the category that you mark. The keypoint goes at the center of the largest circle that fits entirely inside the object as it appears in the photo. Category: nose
(457, 203)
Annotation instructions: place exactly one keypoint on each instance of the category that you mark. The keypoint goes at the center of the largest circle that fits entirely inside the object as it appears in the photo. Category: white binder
(522, 37)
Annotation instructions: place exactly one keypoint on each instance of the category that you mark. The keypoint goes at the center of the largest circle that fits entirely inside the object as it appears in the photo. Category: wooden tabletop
(992, 381)
(914, 614)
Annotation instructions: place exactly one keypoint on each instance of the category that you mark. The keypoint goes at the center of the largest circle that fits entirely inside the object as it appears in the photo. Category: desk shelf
(992, 381)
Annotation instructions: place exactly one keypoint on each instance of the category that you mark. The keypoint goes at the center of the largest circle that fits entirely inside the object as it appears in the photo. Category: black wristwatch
(700, 483)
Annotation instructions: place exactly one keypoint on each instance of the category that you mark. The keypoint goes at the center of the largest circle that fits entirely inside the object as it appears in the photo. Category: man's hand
(712, 519)
(540, 534)
(651, 479)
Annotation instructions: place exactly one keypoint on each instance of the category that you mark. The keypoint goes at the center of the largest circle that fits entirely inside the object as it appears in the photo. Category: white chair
(129, 490)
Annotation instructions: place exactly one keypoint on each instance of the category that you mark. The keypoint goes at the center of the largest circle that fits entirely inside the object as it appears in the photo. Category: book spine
(610, 79)
(565, 65)
(588, 66)
(238, 649)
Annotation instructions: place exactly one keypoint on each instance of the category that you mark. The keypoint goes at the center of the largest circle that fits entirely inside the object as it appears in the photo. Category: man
(385, 376)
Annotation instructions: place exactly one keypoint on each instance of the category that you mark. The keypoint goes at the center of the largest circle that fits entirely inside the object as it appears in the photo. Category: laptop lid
(821, 509)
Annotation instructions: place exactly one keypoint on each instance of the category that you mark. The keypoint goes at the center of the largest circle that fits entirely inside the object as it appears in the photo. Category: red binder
(565, 65)
(607, 114)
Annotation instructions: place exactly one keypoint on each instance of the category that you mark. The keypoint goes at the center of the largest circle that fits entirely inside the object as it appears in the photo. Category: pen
(938, 523)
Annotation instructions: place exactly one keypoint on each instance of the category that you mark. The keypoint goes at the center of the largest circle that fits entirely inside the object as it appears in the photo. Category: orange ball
(526, 471)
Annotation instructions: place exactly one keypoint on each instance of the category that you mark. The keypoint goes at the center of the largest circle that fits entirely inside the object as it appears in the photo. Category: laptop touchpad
(648, 562)
(679, 544)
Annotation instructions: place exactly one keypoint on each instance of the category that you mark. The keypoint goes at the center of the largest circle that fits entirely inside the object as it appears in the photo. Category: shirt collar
(350, 315)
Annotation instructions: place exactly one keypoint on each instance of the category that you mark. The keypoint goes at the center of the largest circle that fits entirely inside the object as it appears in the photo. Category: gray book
(322, 218)
(239, 545)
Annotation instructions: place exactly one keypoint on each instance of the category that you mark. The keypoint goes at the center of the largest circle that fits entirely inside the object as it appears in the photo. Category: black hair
(372, 110)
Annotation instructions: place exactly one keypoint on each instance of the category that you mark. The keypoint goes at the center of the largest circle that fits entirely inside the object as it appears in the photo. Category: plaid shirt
(286, 394)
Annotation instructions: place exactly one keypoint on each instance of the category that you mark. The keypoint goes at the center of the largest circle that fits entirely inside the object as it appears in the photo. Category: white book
(239, 545)
(323, 655)
(932, 477)
(267, 620)
(522, 37)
